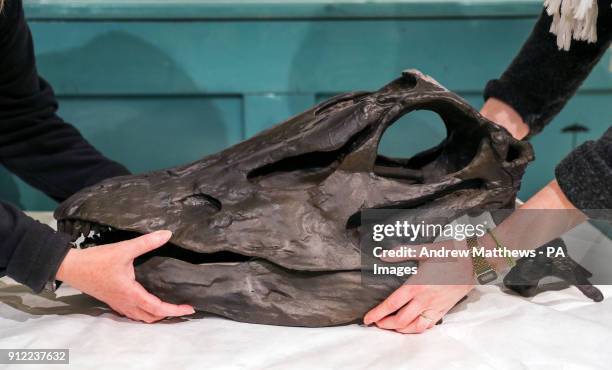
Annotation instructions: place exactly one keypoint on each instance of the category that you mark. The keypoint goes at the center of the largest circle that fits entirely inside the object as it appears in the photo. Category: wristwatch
(483, 271)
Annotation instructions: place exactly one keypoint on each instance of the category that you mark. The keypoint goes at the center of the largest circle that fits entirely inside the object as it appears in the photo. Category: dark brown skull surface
(264, 231)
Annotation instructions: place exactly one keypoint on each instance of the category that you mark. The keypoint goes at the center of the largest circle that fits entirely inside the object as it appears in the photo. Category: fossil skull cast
(265, 231)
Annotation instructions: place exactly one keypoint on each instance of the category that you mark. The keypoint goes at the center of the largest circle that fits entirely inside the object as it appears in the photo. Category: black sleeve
(541, 78)
(30, 252)
(35, 143)
(40, 148)
(539, 82)
(585, 175)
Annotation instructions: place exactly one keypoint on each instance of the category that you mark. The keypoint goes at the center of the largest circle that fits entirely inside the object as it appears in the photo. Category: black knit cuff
(38, 256)
(585, 177)
(517, 99)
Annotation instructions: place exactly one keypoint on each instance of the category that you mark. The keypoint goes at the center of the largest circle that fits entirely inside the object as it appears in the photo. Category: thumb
(146, 243)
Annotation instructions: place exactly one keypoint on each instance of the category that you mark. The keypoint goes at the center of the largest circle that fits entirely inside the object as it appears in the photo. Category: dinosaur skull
(266, 231)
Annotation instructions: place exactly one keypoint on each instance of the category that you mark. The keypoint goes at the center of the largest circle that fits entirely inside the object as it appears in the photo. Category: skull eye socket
(408, 144)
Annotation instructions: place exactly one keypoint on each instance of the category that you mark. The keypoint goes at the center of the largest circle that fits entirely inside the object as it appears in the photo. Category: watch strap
(483, 271)
(509, 260)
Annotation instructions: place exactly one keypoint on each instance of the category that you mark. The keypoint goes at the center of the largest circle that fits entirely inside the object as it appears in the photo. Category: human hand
(504, 115)
(420, 303)
(426, 293)
(107, 273)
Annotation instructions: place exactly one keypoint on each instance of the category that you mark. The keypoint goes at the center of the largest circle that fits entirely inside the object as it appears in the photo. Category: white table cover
(489, 330)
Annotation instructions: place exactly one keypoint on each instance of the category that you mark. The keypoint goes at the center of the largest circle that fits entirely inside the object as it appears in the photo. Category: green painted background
(157, 83)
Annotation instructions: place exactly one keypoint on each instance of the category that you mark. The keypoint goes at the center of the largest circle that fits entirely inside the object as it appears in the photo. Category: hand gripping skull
(264, 231)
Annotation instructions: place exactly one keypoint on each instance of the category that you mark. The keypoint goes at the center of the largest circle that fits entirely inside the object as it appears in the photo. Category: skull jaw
(261, 292)
(252, 290)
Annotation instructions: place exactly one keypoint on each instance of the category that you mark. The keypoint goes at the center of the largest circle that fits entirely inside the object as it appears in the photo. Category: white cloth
(489, 330)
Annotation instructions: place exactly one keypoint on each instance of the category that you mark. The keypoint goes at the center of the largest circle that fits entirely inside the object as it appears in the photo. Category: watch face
(487, 277)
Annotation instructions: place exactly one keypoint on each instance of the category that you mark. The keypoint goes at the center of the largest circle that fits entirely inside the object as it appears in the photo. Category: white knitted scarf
(573, 19)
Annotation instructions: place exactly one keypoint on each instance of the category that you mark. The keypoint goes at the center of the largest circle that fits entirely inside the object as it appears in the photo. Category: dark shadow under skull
(262, 231)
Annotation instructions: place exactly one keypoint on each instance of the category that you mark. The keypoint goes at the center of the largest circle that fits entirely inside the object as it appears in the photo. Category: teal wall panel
(263, 111)
(257, 57)
(154, 83)
(144, 133)
(593, 110)
(147, 133)
(276, 9)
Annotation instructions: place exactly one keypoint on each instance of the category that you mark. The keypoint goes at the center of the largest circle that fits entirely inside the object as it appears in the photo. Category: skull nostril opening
(354, 221)
(514, 152)
(202, 200)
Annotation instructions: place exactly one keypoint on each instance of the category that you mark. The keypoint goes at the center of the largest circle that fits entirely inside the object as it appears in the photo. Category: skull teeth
(79, 228)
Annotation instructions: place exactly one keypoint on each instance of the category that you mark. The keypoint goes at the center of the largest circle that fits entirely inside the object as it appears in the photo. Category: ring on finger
(425, 316)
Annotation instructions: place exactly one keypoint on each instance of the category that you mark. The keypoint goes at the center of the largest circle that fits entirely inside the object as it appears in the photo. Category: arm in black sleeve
(40, 148)
(30, 252)
(541, 78)
(585, 175)
(35, 143)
